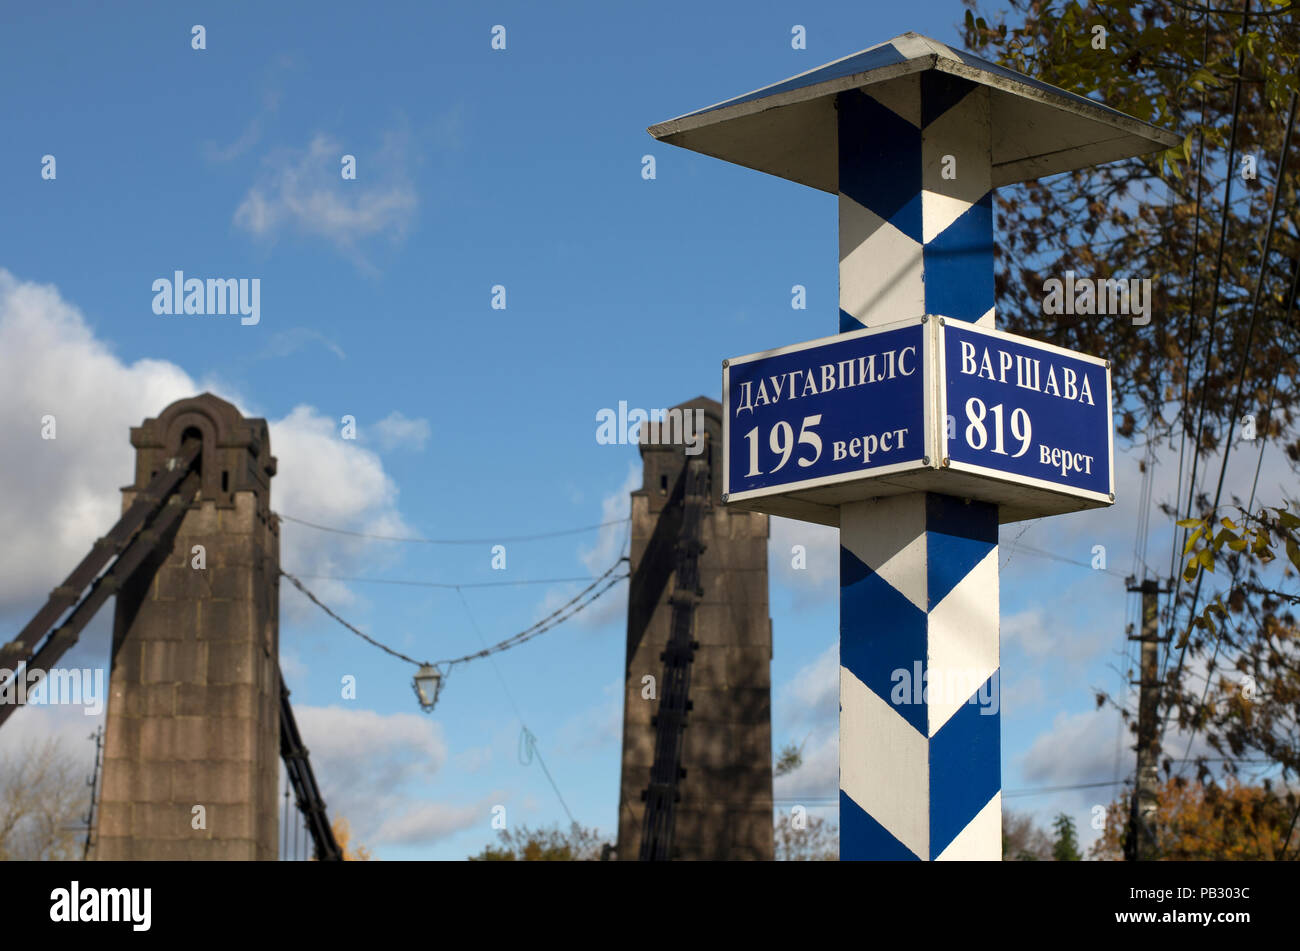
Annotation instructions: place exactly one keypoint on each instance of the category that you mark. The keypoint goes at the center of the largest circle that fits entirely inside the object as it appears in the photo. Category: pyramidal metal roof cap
(789, 128)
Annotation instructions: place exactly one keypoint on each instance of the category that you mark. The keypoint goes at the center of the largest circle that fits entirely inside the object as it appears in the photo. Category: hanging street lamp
(428, 684)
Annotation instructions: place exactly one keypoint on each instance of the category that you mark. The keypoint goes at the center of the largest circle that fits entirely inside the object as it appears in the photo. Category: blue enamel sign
(829, 411)
(929, 404)
(1026, 411)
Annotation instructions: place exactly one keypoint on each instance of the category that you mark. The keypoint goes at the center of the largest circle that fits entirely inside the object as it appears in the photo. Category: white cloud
(615, 507)
(813, 694)
(362, 746)
(819, 776)
(58, 495)
(1028, 630)
(67, 724)
(285, 342)
(595, 727)
(1078, 748)
(371, 768)
(424, 822)
(1020, 692)
(397, 431)
(271, 97)
(330, 481)
(608, 547)
(251, 135)
(292, 669)
(811, 700)
(473, 759)
(821, 543)
(1074, 536)
(303, 190)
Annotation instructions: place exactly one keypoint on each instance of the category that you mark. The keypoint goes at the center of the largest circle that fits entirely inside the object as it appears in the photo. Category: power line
(1259, 286)
(553, 619)
(1268, 412)
(452, 541)
(1135, 605)
(1171, 604)
(1049, 789)
(362, 634)
(1044, 553)
(827, 800)
(1241, 378)
(527, 750)
(1218, 267)
(527, 740)
(1011, 549)
(1277, 188)
(448, 584)
(1233, 13)
(1032, 791)
(1213, 314)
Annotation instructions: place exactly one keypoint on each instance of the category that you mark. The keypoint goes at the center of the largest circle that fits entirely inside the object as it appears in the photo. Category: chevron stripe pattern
(915, 200)
(920, 774)
(920, 756)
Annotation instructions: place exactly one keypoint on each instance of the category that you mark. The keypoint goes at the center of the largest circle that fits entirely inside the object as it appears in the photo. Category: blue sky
(519, 167)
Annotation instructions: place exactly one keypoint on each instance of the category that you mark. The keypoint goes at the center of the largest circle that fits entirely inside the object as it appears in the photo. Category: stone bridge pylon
(193, 734)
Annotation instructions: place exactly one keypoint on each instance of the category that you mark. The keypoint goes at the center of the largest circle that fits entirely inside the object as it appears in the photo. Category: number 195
(782, 442)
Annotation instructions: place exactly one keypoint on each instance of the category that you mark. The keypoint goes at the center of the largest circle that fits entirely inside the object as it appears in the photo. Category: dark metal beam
(143, 509)
(662, 794)
(303, 780)
(163, 519)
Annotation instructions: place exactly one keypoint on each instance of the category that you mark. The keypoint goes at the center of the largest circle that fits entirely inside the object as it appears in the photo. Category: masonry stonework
(193, 711)
(725, 810)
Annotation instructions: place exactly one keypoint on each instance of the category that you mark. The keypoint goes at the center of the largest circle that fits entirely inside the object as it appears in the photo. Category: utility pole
(1140, 844)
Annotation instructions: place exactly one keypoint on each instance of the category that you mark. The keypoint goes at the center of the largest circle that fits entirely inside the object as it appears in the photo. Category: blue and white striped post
(913, 136)
(919, 764)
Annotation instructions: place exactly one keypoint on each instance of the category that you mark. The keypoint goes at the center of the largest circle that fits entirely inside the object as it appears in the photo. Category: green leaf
(1206, 558)
(1188, 522)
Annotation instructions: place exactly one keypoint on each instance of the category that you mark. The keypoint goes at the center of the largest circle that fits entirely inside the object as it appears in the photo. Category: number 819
(977, 436)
